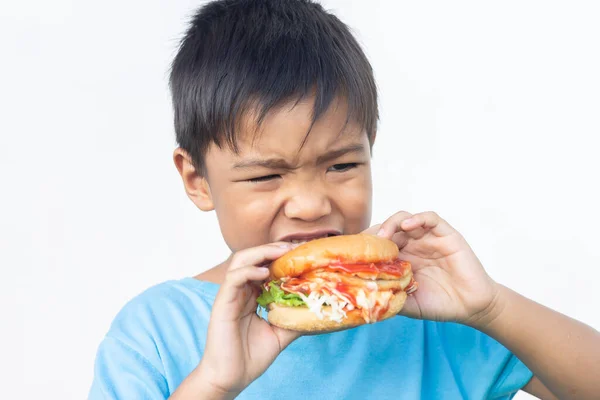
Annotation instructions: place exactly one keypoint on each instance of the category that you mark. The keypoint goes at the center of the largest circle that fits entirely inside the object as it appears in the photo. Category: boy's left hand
(453, 286)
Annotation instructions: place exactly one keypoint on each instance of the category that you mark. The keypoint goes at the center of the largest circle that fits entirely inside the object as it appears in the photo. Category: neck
(214, 275)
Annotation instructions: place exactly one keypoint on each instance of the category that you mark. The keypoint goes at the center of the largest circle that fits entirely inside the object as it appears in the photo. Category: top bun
(361, 248)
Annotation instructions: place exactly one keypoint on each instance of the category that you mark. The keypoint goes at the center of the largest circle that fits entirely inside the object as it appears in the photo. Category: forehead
(289, 131)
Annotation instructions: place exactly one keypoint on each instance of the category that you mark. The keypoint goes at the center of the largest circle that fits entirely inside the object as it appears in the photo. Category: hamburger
(336, 283)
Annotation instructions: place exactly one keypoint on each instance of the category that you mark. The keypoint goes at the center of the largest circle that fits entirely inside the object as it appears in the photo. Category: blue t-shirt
(158, 339)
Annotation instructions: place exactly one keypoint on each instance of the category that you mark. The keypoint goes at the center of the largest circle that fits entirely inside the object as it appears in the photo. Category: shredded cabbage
(325, 306)
(317, 301)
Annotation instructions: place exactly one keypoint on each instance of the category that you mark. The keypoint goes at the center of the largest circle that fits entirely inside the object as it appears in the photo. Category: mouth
(300, 238)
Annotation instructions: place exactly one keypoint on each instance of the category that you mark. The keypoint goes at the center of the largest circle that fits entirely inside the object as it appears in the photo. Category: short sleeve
(154, 342)
(122, 373)
(511, 379)
(482, 367)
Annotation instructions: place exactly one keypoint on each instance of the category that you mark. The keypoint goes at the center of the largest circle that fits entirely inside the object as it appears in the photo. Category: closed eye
(342, 167)
(265, 178)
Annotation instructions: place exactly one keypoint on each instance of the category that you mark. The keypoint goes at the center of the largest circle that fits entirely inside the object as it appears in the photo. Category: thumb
(285, 337)
(411, 308)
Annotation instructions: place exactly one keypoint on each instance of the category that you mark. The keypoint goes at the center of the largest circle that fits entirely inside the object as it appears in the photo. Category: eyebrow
(271, 163)
(279, 163)
(342, 151)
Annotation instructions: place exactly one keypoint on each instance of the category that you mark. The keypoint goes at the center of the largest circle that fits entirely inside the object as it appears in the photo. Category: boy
(275, 115)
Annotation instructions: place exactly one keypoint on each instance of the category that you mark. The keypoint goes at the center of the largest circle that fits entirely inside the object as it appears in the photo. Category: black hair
(253, 55)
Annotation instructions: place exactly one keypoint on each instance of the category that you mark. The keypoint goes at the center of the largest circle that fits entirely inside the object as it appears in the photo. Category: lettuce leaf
(276, 295)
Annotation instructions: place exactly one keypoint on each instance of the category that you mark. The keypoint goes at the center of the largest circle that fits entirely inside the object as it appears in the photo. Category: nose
(309, 203)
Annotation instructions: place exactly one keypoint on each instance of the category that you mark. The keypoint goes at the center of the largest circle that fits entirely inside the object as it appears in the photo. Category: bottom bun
(301, 319)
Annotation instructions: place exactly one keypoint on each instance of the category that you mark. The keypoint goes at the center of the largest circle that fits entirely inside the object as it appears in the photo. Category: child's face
(276, 187)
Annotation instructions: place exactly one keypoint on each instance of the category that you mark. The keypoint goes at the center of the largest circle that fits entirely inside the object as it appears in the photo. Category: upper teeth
(300, 241)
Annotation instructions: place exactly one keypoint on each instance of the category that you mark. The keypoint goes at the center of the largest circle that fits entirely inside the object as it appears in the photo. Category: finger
(285, 336)
(260, 255)
(400, 238)
(411, 308)
(429, 221)
(392, 225)
(236, 280)
(257, 289)
(372, 230)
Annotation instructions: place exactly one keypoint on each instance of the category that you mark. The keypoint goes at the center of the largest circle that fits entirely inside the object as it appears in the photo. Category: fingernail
(381, 232)
(407, 221)
(286, 245)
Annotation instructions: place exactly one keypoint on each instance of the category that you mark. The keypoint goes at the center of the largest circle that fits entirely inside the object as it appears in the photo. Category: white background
(489, 116)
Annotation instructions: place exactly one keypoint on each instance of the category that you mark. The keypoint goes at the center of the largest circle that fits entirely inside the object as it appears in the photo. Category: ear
(196, 185)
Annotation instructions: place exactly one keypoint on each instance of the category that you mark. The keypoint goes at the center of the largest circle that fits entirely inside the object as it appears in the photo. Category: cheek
(245, 218)
(354, 202)
(244, 205)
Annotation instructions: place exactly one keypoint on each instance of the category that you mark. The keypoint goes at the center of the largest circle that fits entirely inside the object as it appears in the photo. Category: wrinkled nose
(308, 204)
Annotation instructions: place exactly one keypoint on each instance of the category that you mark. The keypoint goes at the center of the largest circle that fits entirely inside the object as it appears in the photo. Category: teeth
(300, 241)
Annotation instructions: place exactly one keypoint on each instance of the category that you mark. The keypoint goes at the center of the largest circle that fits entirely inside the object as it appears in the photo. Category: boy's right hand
(240, 345)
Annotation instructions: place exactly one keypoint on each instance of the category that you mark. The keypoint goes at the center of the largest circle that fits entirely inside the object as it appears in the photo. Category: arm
(564, 354)
(197, 386)
(240, 345)
(536, 388)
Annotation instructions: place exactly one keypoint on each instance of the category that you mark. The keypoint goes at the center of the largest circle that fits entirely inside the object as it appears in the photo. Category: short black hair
(242, 55)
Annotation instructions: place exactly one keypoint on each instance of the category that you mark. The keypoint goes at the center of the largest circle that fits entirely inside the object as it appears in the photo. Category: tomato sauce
(347, 291)
(396, 268)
